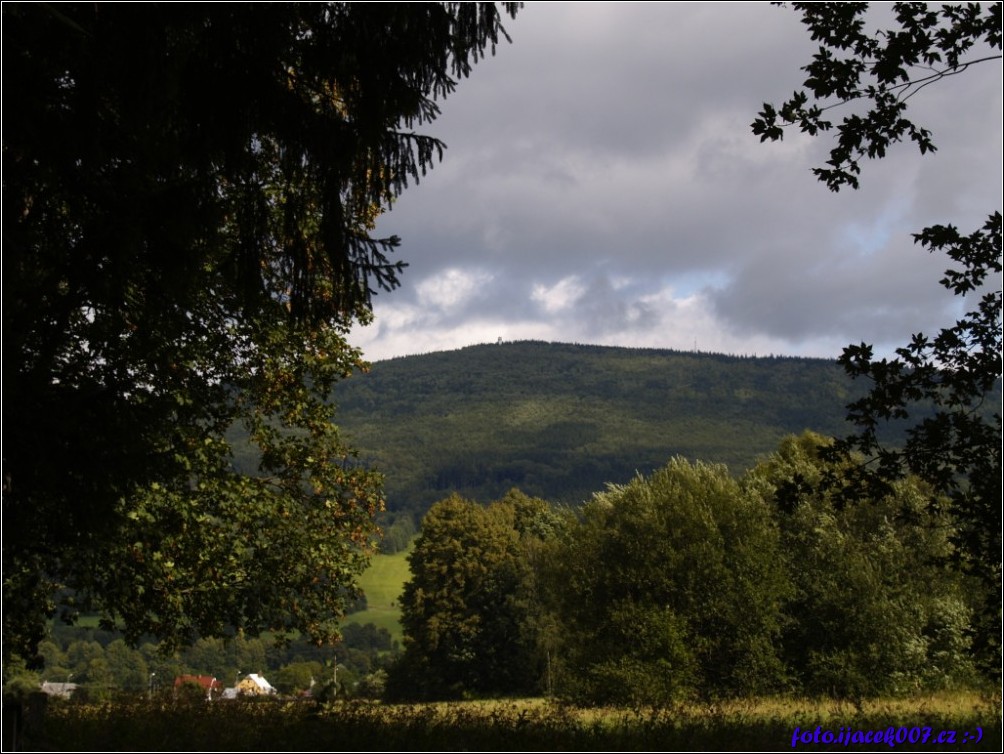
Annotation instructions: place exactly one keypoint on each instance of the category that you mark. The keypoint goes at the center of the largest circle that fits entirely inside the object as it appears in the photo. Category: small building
(60, 690)
(255, 685)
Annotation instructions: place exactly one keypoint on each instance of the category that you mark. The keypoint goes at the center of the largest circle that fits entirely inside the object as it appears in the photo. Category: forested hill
(561, 421)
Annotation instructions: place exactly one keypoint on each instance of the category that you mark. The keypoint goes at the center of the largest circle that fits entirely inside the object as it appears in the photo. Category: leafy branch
(877, 70)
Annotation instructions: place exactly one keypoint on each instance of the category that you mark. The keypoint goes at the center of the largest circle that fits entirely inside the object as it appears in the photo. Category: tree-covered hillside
(560, 421)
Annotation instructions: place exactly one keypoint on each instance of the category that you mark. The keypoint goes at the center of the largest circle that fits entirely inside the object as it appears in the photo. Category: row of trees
(103, 667)
(687, 583)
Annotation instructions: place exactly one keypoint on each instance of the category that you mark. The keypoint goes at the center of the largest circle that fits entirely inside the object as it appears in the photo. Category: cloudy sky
(602, 185)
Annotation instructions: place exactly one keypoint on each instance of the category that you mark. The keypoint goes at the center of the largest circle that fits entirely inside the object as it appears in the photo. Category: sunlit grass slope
(382, 583)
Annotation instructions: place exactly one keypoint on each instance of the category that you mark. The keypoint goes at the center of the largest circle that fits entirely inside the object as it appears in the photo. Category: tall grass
(750, 725)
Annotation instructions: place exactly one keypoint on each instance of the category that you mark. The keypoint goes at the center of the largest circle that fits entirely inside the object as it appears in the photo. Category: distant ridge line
(572, 344)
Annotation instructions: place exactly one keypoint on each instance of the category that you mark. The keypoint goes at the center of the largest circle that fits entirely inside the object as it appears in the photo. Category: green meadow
(382, 583)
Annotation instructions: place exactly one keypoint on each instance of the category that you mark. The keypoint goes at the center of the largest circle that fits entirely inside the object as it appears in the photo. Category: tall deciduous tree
(957, 448)
(469, 611)
(671, 587)
(189, 195)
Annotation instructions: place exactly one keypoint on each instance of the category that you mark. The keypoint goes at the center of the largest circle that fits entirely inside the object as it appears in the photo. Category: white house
(255, 685)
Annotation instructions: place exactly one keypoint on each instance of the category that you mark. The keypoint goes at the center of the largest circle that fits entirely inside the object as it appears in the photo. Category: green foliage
(641, 655)
(466, 612)
(127, 667)
(670, 587)
(19, 682)
(372, 686)
(690, 583)
(560, 421)
(114, 670)
(958, 448)
(367, 637)
(881, 71)
(876, 610)
(188, 199)
(203, 557)
(298, 677)
(398, 534)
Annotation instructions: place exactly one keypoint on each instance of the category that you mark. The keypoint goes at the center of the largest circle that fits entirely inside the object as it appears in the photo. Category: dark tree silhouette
(189, 196)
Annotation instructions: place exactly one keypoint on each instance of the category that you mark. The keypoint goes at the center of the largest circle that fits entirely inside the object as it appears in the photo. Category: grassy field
(535, 724)
(382, 582)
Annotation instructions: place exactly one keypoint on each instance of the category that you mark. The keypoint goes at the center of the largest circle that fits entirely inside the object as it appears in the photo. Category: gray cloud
(602, 185)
